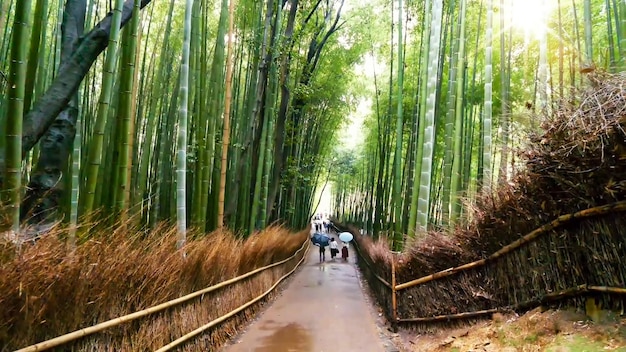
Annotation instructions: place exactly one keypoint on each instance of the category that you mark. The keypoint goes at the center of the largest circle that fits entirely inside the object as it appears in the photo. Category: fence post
(394, 302)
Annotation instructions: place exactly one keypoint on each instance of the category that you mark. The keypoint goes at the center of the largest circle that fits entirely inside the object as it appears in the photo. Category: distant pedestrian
(319, 225)
(344, 252)
(334, 250)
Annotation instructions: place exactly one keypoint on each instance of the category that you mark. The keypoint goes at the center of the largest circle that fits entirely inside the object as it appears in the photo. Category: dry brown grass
(48, 291)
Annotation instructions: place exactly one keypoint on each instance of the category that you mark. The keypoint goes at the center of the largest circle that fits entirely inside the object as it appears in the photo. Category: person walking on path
(334, 248)
(322, 240)
(322, 253)
(344, 252)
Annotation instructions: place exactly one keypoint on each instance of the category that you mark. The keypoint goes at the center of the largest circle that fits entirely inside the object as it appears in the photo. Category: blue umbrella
(320, 239)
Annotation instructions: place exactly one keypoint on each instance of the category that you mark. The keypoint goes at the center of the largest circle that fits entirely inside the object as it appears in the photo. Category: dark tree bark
(253, 141)
(68, 79)
(45, 189)
(285, 97)
(53, 117)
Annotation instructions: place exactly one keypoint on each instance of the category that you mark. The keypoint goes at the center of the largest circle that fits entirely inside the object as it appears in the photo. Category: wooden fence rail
(63, 339)
(231, 313)
(558, 222)
(531, 236)
(571, 292)
(383, 281)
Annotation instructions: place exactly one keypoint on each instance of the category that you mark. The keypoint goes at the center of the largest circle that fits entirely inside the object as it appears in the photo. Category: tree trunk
(68, 79)
(285, 98)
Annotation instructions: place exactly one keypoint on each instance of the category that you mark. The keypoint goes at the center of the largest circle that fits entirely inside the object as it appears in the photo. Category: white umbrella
(346, 236)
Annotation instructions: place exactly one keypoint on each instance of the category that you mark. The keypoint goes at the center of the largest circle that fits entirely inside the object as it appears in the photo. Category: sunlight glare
(530, 16)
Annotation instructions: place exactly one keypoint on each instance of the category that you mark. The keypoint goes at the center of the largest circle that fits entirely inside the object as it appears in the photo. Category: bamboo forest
(459, 142)
(167, 119)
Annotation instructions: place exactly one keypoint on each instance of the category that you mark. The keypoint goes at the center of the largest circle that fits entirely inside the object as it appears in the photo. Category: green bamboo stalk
(227, 110)
(426, 174)
(181, 155)
(145, 77)
(561, 52)
(421, 119)
(449, 122)
(39, 23)
(200, 119)
(15, 108)
(397, 170)
(126, 112)
(97, 141)
(244, 202)
(504, 104)
(542, 73)
(256, 197)
(622, 33)
(457, 160)
(488, 102)
(216, 105)
(6, 10)
(588, 32)
(75, 184)
(270, 117)
(4, 53)
(263, 67)
(148, 164)
(609, 33)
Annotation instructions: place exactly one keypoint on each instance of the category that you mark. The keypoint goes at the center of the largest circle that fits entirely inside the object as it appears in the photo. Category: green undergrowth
(579, 343)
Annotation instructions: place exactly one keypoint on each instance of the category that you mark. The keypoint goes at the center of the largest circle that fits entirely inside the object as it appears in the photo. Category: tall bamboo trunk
(588, 33)
(423, 206)
(420, 121)
(449, 121)
(181, 154)
(97, 142)
(488, 103)
(397, 170)
(227, 108)
(13, 131)
(126, 113)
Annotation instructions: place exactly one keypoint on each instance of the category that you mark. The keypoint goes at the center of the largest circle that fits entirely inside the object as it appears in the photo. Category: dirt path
(323, 309)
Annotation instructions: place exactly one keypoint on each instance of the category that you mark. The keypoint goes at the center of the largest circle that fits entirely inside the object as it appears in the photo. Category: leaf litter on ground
(537, 330)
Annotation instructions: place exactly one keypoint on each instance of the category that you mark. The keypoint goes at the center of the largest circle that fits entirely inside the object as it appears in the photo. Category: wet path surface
(323, 309)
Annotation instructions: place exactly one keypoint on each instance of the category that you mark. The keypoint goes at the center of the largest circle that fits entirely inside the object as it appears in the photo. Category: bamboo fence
(215, 322)
(390, 295)
(72, 336)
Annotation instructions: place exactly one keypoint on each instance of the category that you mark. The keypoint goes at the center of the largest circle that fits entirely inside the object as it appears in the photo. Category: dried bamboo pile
(579, 162)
